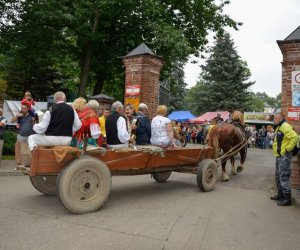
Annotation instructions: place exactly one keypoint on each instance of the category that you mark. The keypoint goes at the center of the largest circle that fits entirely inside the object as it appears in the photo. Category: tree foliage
(224, 80)
(76, 45)
(177, 87)
(257, 101)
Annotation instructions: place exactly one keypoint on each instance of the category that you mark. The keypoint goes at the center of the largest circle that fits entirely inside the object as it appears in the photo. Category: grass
(8, 157)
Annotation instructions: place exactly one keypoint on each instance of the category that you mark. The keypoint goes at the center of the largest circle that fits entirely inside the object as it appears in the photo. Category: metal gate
(164, 92)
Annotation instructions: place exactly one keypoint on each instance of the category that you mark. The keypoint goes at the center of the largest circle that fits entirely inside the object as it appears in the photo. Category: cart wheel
(182, 141)
(207, 175)
(84, 185)
(46, 184)
(161, 176)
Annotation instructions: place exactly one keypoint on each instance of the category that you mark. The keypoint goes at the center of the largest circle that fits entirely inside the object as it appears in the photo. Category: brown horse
(229, 137)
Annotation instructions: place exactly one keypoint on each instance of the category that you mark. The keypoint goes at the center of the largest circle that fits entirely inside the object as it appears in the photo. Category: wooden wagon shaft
(234, 150)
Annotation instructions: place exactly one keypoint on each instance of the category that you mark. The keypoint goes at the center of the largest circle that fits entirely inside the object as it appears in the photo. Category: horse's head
(238, 116)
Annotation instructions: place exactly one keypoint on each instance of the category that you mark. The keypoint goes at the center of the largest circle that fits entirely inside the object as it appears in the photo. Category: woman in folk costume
(79, 104)
(90, 122)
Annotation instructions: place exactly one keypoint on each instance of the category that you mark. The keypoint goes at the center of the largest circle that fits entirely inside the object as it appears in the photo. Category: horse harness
(240, 127)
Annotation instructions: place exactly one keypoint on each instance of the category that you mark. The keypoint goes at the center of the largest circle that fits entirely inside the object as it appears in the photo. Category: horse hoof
(225, 177)
(233, 171)
(240, 169)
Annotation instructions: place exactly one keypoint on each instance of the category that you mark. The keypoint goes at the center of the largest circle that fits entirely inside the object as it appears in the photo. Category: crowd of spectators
(262, 138)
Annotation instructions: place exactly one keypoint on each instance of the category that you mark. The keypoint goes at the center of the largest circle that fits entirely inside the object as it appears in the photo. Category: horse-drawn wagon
(82, 181)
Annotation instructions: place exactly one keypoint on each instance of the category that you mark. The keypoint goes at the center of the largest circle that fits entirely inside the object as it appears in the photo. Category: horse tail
(213, 140)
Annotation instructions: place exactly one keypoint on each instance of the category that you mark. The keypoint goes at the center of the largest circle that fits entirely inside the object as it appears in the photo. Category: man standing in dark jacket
(143, 130)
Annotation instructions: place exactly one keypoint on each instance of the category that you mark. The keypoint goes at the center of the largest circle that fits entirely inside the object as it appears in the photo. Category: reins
(235, 149)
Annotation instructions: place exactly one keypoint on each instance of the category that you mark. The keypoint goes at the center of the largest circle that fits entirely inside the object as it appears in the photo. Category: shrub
(10, 139)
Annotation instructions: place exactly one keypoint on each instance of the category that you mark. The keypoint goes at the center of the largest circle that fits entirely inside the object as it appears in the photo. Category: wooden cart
(83, 181)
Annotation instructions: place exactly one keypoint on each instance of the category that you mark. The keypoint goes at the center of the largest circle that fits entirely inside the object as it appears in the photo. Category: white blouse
(159, 133)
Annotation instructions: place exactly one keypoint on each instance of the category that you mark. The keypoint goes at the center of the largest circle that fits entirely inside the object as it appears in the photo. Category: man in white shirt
(115, 126)
(57, 126)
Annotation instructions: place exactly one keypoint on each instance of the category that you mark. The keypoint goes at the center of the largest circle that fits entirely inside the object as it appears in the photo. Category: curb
(11, 173)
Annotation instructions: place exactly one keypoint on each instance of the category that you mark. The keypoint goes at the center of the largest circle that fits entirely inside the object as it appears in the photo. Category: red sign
(294, 114)
(132, 90)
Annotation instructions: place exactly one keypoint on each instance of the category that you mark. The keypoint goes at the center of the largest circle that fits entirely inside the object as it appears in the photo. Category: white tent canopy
(12, 108)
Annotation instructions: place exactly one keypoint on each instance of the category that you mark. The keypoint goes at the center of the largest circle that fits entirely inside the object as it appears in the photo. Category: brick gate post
(290, 100)
(142, 73)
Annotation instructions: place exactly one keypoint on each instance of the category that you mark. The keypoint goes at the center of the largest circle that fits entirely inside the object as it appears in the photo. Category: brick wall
(291, 62)
(295, 173)
(144, 70)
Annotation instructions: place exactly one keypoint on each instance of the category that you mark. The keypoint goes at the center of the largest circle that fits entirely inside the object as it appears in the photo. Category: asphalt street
(143, 214)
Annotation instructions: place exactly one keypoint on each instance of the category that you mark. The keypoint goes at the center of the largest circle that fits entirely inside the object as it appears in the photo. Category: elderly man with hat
(143, 129)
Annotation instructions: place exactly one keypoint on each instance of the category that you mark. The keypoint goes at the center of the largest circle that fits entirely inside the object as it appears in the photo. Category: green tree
(224, 80)
(76, 45)
(177, 87)
(257, 101)
(193, 101)
(3, 83)
(278, 101)
(37, 54)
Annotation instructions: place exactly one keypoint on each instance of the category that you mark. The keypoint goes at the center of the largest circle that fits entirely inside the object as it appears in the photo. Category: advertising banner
(295, 88)
(259, 118)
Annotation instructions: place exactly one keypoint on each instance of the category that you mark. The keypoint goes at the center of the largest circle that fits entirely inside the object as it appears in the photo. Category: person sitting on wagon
(90, 123)
(143, 129)
(116, 130)
(57, 127)
(102, 120)
(162, 133)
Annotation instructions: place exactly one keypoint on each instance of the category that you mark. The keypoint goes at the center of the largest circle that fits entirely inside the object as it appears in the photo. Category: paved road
(143, 214)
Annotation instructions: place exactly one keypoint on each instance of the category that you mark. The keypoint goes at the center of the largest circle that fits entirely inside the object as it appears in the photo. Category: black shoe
(277, 197)
(287, 201)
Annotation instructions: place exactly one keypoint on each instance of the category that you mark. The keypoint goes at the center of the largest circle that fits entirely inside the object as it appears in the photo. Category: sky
(264, 22)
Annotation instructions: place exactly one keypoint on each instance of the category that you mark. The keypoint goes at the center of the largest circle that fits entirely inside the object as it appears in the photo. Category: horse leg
(224, 175)
(243, 153)
(233, 168)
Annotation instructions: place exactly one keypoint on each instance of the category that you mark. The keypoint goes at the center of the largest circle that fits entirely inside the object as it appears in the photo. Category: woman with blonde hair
(162, 133)
(79, 104)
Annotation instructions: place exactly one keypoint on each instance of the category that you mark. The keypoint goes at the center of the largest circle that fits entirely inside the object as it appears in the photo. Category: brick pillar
(290, 63)
(143, 71)
(295, 172)
(290, 49)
